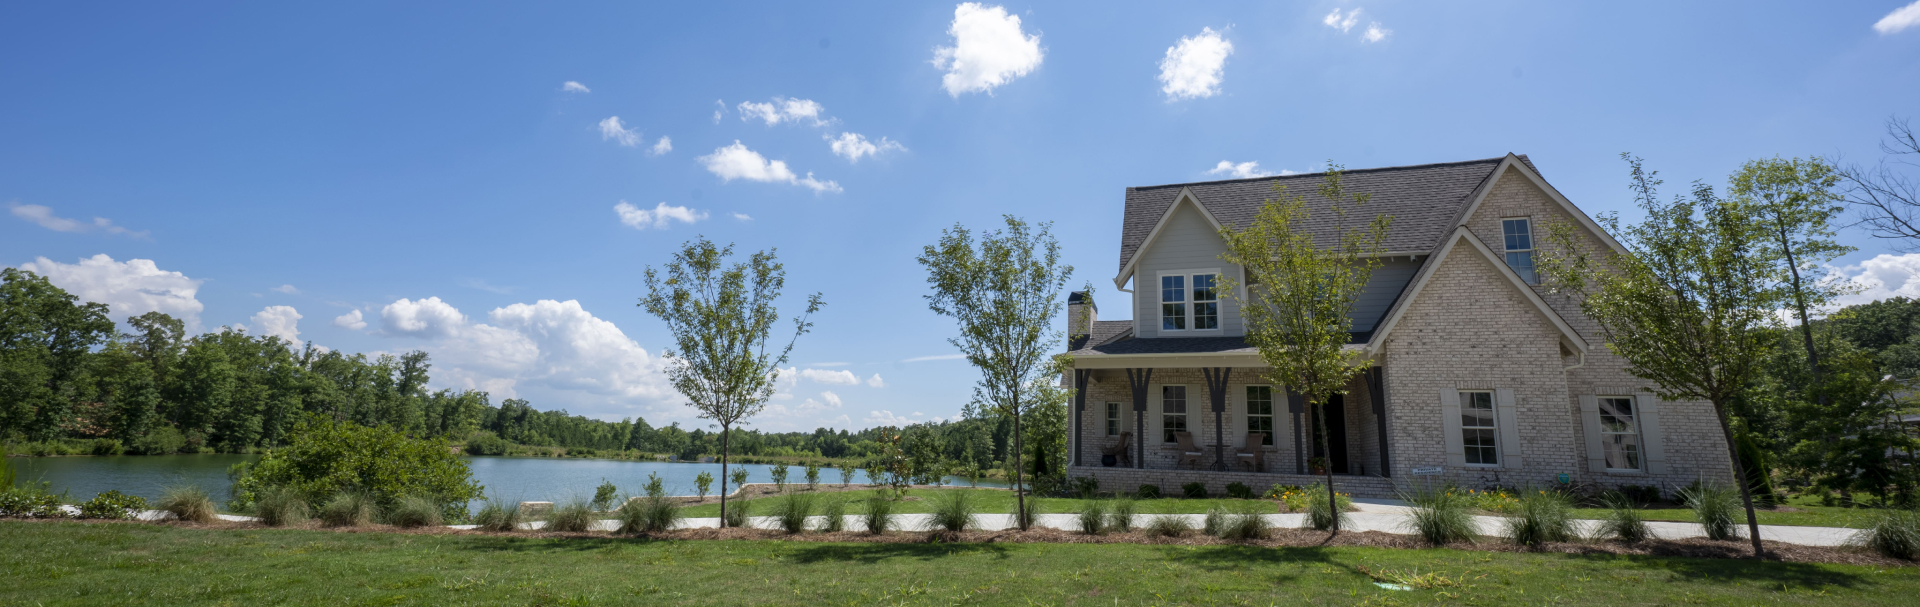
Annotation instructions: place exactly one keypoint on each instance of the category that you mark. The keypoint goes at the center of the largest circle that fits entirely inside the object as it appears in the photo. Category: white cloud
(1881, 277)
(129, 288)
(658, 218)
(854, 145)
(288, 289)
(876, 382)
(575, 87)
(886, 418)
(664, 145)
(988, 50)
(612, 129)
(550, 344)
(279, 321)
(832, 364)
(782, 109)
(719, 112)
(1344, 24)
(1900, 19)
(428, 317)
(1375, 33)
(45, 218)
(351, 320)
(737, 162)
(938, 357)
(841, 377)
(1244, 170)
(743, 217)
(1193, 67)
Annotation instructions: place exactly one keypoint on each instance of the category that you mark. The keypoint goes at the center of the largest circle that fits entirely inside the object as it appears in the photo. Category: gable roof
(1451, 245)
(1527, 171)
(1425, 200)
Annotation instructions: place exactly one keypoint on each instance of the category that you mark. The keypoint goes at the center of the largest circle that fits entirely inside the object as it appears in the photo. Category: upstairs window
(1173, 307)
(1260, 412)
(1173, 412)
(1206, 303)
(1519, 236)
(1190, 300)
(1477, 430)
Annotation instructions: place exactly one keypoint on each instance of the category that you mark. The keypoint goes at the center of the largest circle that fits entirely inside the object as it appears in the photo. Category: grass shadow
(876, 552)
(1730, 570)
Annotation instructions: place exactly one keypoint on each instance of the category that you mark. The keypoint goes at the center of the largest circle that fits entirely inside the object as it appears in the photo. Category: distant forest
(67, 375)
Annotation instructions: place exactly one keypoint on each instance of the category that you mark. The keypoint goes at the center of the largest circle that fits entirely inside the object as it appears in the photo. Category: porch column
(1139, 380)
(1377, 388)
(1079, 409)
(1217, 392)
(1296, 405)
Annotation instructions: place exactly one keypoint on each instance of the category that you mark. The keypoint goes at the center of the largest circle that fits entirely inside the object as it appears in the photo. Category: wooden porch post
(1217, 392)
(1139, 380)
(1377, 388)
(1079, 410)
(1297, 404)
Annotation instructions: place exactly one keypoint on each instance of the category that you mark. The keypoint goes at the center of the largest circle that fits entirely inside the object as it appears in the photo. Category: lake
(513, 479)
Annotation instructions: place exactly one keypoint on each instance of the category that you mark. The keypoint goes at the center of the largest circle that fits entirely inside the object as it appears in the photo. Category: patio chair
(1252, 454)
(1121, 448)
(1188, 452)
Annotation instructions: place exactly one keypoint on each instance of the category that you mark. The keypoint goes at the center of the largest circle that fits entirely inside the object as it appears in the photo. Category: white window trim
(1159, 311)
(1277, 401)
(1638, 433)
(1499, 458)
(1532, 239)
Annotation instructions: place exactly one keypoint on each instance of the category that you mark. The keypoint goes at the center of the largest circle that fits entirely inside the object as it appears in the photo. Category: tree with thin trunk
(721, 317)
(1796, 201)
(1300, 291)
(1692, 304)
(1004, 291)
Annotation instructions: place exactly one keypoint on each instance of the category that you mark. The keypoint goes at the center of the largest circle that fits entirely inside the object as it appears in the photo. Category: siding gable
(1186, 242)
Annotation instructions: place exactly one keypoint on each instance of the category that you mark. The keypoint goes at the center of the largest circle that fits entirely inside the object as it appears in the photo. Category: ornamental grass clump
(281, 506)
(1715, 506)
(1169, 525)
(415, 511)
(736, 515)
(498, 516)
(349, 509)
(835, 511)
(954, 511)
(1215, 522)
(1028, 512)
(792, 510)
(1093, 517)
(647, 515)
(1441, 517)
(187, 503)
(1321, 515)
(1120, 515)
(1248, 523)
(1623, 521)
(1894, 533)
(575, 516)
(1539, 517)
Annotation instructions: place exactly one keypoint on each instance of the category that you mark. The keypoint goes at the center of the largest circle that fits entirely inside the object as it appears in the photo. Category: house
(1476, 375)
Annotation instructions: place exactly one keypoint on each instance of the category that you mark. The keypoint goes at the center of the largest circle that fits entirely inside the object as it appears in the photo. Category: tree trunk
(1800, 305)
(1740, 477)
(1326, 444)
(1019, 488)
(725, 433)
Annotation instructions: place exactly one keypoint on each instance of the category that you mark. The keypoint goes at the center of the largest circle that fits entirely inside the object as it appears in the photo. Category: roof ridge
(1348, 171)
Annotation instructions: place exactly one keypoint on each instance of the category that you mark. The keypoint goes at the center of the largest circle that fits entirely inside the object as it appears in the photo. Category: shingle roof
(1424, 201)
(1103, 331)
(1126, 344)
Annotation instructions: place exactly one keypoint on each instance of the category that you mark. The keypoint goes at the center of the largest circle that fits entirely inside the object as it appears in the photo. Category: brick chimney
(1081, 312)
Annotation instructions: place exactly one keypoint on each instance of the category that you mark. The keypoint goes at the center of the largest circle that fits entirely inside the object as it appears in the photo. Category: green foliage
(1540, 517)
(1624, 521)
(1714, 506)
(1120, 515)
(1027, 513)
(647, 515)
(835, 512)
(1169, 525)
(779, 473)
(1194, 490)
(1247, 522)
(1441, 517)
(655, 486)
(328, 457)
(487, 443)
(954, 511)
(29, 502)
(813, 475)
(281, 506)
(415, 511)
(1239, 491)
(162, 440)
(1894, 533)
(497, 516)
(604, 494)
(736, 516)
(187, 503)
(113, 505)
(704, 483)
(1215, 522)
(792, 511)
(1093, 517)
(1148, 492)
(1086, 487)
(7, 474)
(575, 516)
(739, 478)
(349, 508)
(1322, 515)
(846, 474)
(46, 336)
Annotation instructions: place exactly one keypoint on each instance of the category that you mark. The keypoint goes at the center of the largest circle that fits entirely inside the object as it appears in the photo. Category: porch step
(1170, 481)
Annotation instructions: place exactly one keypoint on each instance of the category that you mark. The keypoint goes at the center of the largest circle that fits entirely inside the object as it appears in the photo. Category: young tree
(1691, 306)
(1796, 201)
(1297, 309)
(721, 317)
(1005, 294)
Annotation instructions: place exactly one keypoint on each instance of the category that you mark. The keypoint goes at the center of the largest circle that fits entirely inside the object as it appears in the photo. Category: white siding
(1187, 242)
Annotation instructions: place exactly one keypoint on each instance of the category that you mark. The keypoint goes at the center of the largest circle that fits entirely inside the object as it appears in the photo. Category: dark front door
(1336, 420)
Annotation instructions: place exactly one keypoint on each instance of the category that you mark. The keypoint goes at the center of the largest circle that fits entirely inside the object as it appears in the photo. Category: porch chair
(1252, 454)
(1122, 448)
(1188, 452)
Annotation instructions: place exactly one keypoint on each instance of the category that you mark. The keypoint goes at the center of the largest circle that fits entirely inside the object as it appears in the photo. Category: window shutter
(1450, 427)
(1590, 425)
(1505, 407)
(1652, 443)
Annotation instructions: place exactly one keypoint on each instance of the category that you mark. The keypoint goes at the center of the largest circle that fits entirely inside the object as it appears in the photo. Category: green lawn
(66, 563)
(988, 500)
(1810, 514)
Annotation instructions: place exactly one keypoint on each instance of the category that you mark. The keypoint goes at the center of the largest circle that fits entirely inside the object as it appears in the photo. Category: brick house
(1473, 368)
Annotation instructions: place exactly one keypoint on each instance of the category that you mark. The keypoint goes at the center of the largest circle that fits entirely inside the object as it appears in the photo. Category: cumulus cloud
(1243, 170)
(876, 382)
(611, 128)
(1881, 277)
(737, 162)
(1193, 67)
(664, 145)
(575, 87)
(658, 218)
(555, 345)
(1900, 19)
(1342, 23)
(988, 50)
(288, 289)
(1375, 33)
(351, 320)
(854, 145)
(428, 317)
(825, 376)
(278, 321)
(886, 418)
(782, 109)
(130, 288)
(44, 217)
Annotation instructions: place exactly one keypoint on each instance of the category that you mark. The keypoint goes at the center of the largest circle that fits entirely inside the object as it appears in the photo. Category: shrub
(780, 476)
(954, 510)
(1714, 505)
(1086, 487)
(603, 496)
(106, 446)
(1623, 520)
(1148, 492)
(1640, 494)
(1093, 517)
(1239, 491)
(327, 457)
(1215, 522)
(31, 501)
(703, 483)
(835, 511)
(1120, 515)
(280, 506)
(792, 510)
(1302, 499)
(1169, 525)
(1029, 513)
(1279, 491)
(1540, 517)
(1246, 524)
(159, 441)
(349, 509)
(736, 515)
(655, 487)
(813, 475)
(187, 503)
(1895, 533)
(1441, 517)
(575, 516)
(112, 505)
(739, 478)
(648, 515)
(878, 517)
(415, 511)
(495, 516)
(1194, 490)
(1320, 514)
(846, 474)
(487, 443)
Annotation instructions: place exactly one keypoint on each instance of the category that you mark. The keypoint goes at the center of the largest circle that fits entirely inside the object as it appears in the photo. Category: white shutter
(1450, 427)
(1647, 408)
(1590, 425)
(1505, 409)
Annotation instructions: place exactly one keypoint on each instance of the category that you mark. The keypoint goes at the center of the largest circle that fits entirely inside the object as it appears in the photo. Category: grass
(1441, 517)
(876, 516)
(988, 501)
(954, 511)
(647, 515)
(1797, 511)
(280, 506)
(1717, 508)
(187, 503)
(415, 511)
(349, 509)
(1624, 520)
(792, 510)
(573, 516)
(68, 563)
(1539, 517)
(496, 515)
(1895, 534)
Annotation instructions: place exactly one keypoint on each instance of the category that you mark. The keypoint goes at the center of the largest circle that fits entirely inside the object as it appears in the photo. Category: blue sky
(428, 168)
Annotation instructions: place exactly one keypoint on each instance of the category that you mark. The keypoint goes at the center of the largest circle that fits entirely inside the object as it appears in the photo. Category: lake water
(510, 478)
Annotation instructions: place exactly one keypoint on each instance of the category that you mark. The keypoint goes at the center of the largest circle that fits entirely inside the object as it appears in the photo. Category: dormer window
(1190, 300)
(1519, 235)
